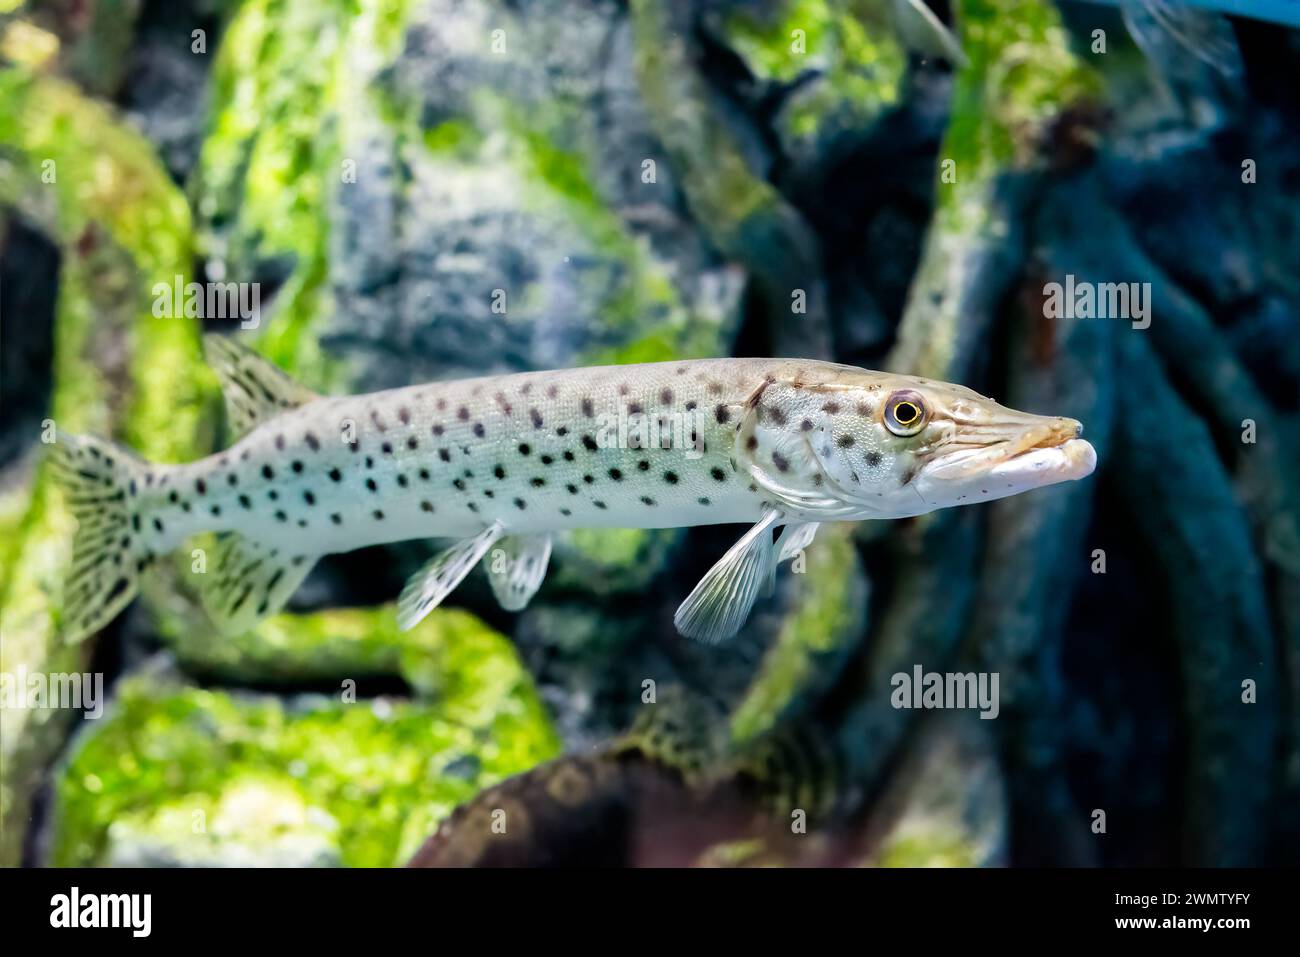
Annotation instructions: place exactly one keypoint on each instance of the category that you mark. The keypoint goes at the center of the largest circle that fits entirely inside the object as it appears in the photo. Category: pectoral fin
(516, 568)
(246, 581)
(721, 602)
(442, 573)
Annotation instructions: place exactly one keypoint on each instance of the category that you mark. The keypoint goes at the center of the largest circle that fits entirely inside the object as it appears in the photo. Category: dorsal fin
(255, 389)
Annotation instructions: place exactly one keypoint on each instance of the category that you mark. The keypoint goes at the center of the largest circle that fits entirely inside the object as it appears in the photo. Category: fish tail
(101, 484)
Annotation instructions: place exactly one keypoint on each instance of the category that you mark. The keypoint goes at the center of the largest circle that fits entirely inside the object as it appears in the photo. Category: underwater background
(650, 180)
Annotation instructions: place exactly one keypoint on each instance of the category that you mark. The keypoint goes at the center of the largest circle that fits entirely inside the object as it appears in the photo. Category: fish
(501, 464)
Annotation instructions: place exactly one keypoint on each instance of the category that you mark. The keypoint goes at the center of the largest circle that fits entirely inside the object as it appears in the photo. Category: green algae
(937, 848)
(828, 615)
(1021, 74)
(166, 754)
(861, 65)
(121, 226)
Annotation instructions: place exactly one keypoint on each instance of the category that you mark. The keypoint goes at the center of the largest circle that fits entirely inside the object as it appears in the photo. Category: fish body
(500, 463)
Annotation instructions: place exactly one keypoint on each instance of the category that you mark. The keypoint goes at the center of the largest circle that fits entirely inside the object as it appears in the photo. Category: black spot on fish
(751, 443)
(568, 455)
(781, 462)
(273, 495)
(565, 512)
(371, 484)
(479, 431)
(471, 506)
(463, 413)
(670, 478)
(537, 482)
(775, 414)
(232, 479)
(552, 391)
(313, 443)
(666, 396)
(335, 475)
(459, 483)
(722, 414)
(336, 518)
(412, 443)
(589, 443)
(806, 425)
(201, 486)
(702, 500)
(536, 417)
(520, 504)
(647, 499)
(173, 497)
(718, 474)
(573, 489)
(444, 455)
(441, 404)
(379, 423)
(499, 471)
(404, 414)
(873, 459)
(599, 504)
(280, 516)
(616, 475)
(634, 408)
(268, 472)
(386, 448)
(378, 514)
(438, 430)
(245, 501)
(370, 461)
(562, 431)
(547, 460)
(424, 474)
(157, 525)
(309, 498)
(426, 506)
(296, 465)
(845, 441)
(643, 465)
(588, 479)
(279, 442)
(831, 408)
(402, 481)
(135, 522)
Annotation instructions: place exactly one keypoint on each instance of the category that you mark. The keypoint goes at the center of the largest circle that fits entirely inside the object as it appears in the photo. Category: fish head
(862, 444)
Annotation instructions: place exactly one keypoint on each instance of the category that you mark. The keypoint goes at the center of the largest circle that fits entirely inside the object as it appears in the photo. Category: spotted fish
(501, 463)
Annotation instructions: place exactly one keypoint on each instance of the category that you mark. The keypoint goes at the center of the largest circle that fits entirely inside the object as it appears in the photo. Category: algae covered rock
(178, 774)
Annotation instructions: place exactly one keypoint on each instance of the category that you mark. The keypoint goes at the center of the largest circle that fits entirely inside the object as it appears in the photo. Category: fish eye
(905, 413)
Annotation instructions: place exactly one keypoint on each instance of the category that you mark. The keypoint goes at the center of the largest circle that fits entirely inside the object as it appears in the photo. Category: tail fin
(100, 483)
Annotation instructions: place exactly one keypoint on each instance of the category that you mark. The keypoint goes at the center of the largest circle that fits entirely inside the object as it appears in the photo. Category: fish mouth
(1050, 449)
